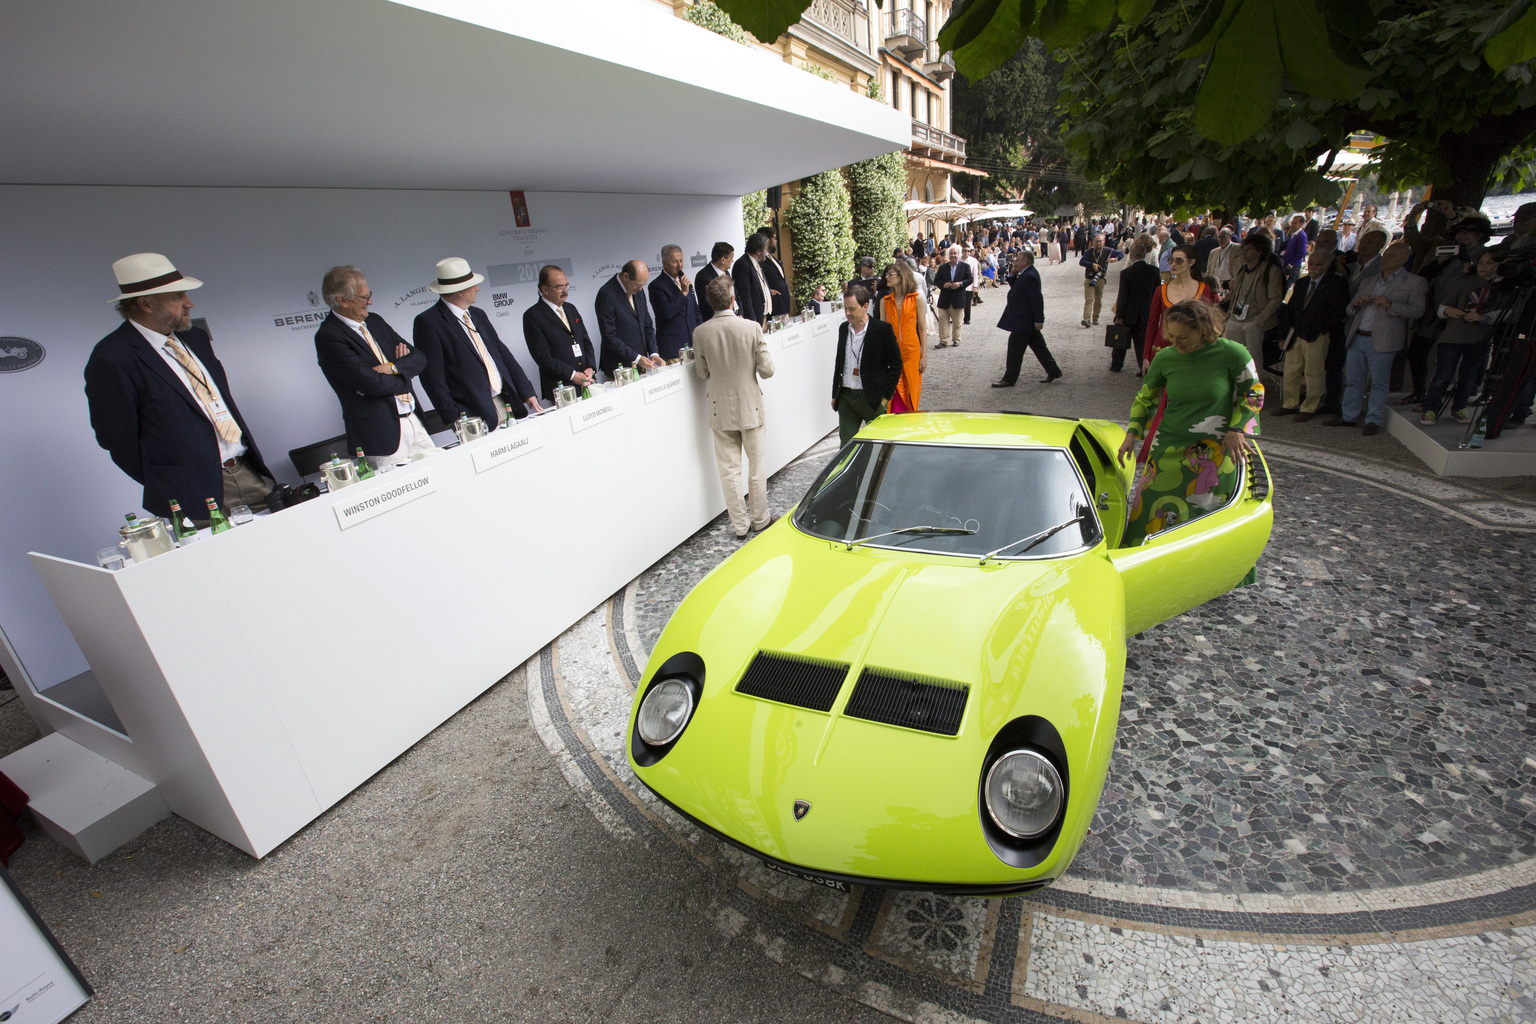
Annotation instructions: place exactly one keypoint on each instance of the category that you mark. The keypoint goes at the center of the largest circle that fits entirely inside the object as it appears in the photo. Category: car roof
(978, 428)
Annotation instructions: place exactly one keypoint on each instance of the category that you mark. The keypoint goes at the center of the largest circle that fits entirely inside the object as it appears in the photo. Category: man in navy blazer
(720, 259)
(953, 279)
(751, 284)
(164, 411)
(468, 369)
(773, 273)
(1024, 318)
(625, 330)
(370, 368)
(675, 305)
(556, 336)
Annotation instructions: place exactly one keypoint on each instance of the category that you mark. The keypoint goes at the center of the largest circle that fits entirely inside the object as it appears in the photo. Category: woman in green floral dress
(1200, 401)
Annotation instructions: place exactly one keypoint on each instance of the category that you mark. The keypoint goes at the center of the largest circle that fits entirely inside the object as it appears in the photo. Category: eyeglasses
(1176, 259)
(364, 297)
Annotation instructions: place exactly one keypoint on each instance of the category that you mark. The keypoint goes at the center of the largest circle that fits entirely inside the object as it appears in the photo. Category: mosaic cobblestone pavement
(1320, 808)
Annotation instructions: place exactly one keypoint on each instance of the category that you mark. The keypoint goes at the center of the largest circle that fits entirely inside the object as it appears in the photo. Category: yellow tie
(485, 356)
(560, 312)
(226, 428)
(403, 403)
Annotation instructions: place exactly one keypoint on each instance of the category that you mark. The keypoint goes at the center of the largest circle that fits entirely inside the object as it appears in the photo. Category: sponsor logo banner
(358, 504)
(502, 446)
(17, 354)
(594, 411)
(503, 277)
(669, 384)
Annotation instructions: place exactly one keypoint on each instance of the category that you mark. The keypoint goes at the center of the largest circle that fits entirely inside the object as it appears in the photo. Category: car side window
(1104, 484)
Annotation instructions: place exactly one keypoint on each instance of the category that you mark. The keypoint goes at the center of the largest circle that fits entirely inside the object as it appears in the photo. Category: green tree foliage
(1005, 118)
(877, 193)
(754, 212)
(1134, 108)
(821, 232)
(1250, 81)
(706, 14)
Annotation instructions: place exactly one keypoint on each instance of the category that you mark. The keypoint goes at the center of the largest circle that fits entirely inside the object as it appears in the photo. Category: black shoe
(1413, 399)
(1116, 369)
(1371, 428)
(1339, 421)
(1051, 377)
(1002, 383)
(1086, 324)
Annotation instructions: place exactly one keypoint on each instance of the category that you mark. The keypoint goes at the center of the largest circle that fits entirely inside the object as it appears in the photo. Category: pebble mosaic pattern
(1146, 976)
(1360, 718)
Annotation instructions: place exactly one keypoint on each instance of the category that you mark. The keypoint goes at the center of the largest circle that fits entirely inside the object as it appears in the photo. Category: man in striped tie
(370, 368)
(469, 370)
(160, 401)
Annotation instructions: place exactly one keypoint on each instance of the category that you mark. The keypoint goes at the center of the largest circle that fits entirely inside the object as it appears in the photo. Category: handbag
(1117, 337)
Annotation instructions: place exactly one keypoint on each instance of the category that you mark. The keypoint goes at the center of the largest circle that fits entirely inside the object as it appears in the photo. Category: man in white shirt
(973, 297)
(370, 368)
(160, 402)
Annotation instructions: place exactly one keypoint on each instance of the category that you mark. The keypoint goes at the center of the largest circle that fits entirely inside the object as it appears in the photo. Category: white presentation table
(264, 674)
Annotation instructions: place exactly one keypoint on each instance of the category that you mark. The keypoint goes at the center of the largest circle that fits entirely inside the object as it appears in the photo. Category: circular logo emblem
(17, 354)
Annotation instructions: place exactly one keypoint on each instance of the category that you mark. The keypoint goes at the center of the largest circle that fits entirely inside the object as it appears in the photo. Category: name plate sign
(669, 385)
(594, 411)
(791, 336)
(504, 445)
(822, 325)
(361, 504)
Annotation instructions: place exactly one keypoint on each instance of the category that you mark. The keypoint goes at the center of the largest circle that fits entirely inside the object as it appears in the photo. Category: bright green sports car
(914, 679)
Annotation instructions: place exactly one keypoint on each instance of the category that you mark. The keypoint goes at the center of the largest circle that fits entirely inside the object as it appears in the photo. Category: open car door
(1187, 565)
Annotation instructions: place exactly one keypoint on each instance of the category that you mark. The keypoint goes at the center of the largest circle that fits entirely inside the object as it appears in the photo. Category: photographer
(1447, 267)
(1469, 311)
(1096, 261)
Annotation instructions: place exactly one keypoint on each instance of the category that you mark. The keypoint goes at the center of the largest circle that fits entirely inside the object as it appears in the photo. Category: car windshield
(997, 496)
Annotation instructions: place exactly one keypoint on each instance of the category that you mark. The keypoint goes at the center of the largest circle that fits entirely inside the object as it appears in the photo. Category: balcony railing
(930, 137)
(848, 22)
(941, 70)
(905, 33)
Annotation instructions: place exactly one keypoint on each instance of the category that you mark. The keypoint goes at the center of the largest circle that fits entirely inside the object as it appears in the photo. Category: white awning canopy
(964, 213)
(582, 96)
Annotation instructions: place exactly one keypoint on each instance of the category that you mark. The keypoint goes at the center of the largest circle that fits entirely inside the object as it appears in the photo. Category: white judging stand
(262, 675)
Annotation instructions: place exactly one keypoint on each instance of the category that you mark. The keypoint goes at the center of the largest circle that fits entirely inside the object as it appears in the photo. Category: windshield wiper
(1032, 539)
(851, 544)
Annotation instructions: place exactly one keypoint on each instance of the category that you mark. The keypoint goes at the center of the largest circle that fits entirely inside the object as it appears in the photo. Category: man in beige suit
(731, 353)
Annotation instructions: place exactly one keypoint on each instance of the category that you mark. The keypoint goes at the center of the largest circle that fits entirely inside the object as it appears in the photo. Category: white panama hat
(149, 273)
(454, 275)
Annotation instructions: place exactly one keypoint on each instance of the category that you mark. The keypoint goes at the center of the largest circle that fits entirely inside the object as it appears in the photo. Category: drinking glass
(241, 514)
(110, 558)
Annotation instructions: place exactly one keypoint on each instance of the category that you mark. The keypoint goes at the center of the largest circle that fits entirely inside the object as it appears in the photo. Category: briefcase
(1117, 337)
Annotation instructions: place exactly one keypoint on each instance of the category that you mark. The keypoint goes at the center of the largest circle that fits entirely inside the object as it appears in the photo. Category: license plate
(806, 876)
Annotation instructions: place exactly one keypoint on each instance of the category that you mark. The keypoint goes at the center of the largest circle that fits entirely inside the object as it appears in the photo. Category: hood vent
(909, 701)
(803, 682)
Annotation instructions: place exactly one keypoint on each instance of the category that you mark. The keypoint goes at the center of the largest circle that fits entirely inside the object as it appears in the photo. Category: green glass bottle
(216, 517)
(181, 527)
(132, 517)
(364, 469)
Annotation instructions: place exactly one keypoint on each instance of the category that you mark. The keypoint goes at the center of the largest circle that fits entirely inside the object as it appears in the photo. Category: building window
(914, 97)
(928, 198)
(896, 89)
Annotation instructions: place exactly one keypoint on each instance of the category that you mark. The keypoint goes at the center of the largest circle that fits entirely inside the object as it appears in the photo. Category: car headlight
(1023, 793)
(664, 712)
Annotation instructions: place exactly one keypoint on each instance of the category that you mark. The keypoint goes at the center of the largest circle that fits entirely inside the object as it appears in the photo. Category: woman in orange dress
(1183, 261)
(903, 308)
